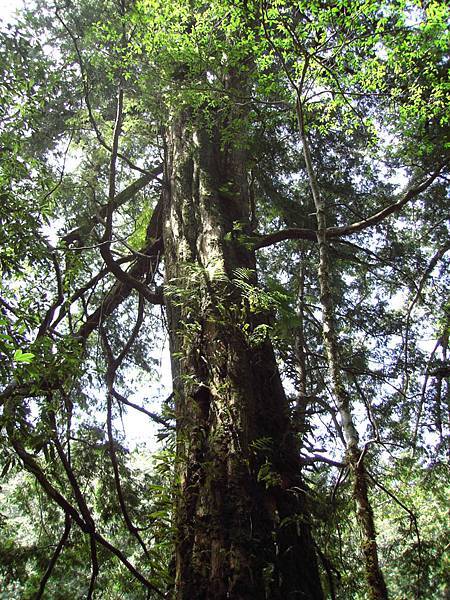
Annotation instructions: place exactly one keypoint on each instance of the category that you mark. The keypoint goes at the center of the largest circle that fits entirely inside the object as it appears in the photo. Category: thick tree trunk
(242, 532)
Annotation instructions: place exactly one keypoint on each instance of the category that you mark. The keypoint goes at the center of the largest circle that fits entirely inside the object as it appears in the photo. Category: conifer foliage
(259, 189)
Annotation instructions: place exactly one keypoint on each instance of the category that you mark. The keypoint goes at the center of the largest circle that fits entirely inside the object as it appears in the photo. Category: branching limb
(105, 246)
(291, 233)
(32, 466)
(113, 365)
(295, 233)
(432, 264)
(310, 460)
(122, 289)
(413, 518)
(87, 99)
(153, 416)
(409, 194)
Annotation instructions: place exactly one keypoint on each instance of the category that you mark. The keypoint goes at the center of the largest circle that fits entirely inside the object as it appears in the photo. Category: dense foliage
(344, 119)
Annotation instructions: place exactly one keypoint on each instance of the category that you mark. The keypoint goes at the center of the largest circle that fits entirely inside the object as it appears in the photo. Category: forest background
(259, 189)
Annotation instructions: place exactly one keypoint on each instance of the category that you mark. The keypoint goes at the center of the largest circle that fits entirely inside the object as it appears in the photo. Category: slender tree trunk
(300, 358)
(242, 531)
(375, 580)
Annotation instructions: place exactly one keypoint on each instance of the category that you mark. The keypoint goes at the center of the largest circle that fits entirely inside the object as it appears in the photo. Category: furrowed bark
(242, 530)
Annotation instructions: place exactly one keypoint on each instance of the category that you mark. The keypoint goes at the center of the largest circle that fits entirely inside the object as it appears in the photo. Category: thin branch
(412, 517)
(274, 48)
(84, 509)
(33, 467)
(137, 327)
(54, 558)
(11, 309)
(87, 100)
(94, 567)
(113, 365)
(432, 264)
(115, 465)
(408, 195)
(57, 302)
(79, 293)
(153, 416)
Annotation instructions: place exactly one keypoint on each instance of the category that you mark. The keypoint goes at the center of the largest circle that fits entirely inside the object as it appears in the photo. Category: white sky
(8, 8)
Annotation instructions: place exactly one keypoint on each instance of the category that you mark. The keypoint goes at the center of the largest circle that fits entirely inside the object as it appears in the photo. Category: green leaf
(23, 357)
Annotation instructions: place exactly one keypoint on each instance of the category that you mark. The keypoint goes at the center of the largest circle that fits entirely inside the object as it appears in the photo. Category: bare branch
(57, 301)
(54, 558)
(153, 416)
(295, 233)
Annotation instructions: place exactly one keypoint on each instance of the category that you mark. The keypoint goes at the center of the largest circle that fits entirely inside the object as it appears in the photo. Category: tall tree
(253, 152)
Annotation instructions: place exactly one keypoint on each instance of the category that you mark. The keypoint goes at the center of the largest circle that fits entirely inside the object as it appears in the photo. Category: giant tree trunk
(242, 532)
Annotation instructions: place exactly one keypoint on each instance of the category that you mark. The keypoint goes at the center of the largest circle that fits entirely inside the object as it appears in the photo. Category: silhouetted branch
(32, 466)
(295, 233)
(79, 233)
(94, 567)
(54, 558)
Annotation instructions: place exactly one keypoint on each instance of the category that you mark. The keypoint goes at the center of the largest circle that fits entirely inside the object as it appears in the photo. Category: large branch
(79, 233)
(291, 233)
(408, 195)
(147, 261)
(296, 233)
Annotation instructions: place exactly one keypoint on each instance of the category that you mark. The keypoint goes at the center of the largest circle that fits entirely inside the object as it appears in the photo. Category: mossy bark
(242, 527)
